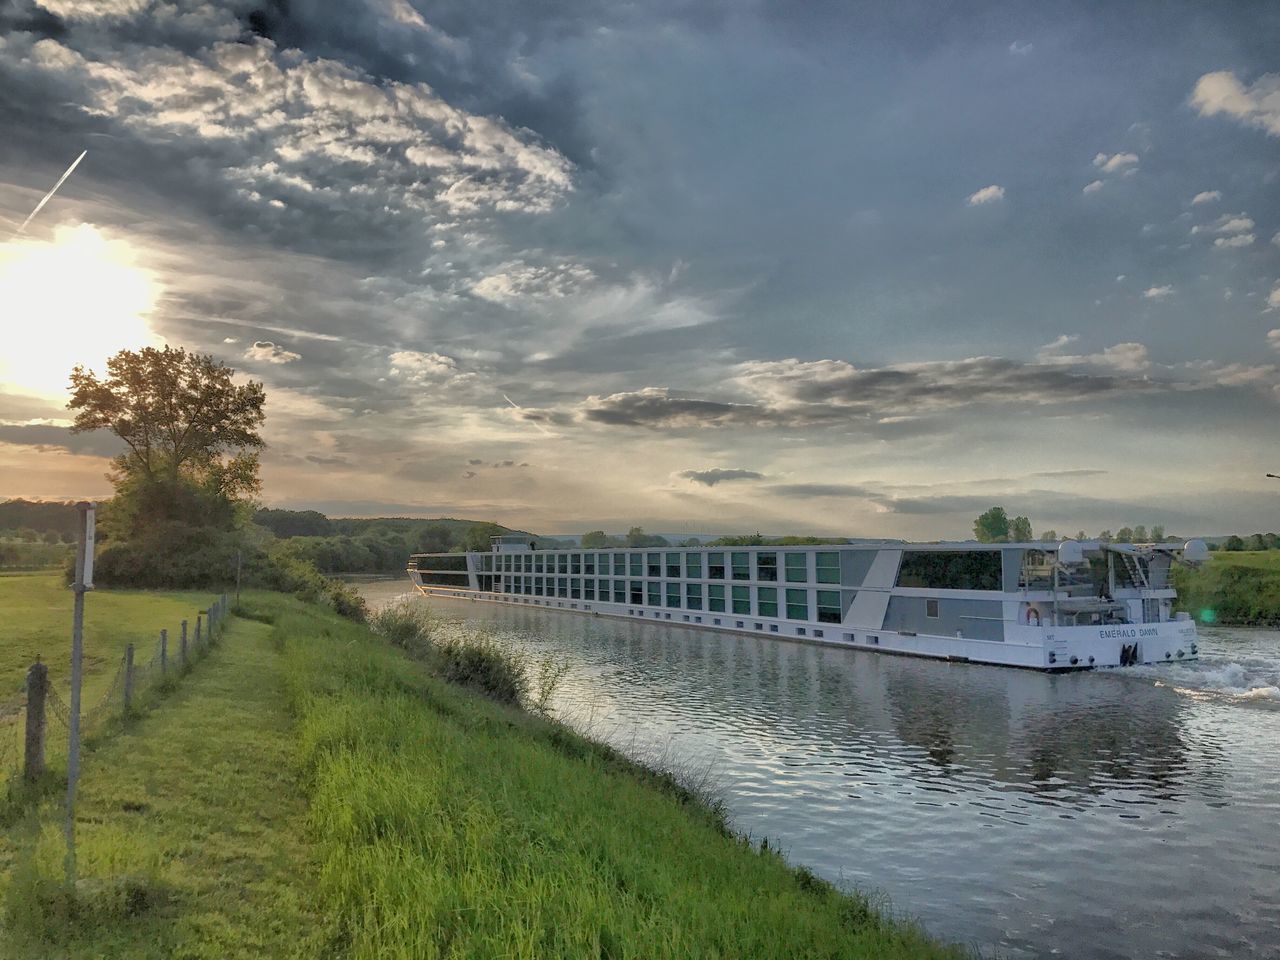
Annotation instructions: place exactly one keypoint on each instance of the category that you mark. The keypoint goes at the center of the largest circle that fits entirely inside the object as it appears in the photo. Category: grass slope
(1233, 588)
(452, 826)
(198, 802)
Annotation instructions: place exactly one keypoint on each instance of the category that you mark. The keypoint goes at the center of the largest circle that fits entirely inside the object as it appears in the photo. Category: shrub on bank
(179, 556)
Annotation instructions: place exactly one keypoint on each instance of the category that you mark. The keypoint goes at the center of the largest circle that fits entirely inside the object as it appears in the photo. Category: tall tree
(190, 429)
(594, 539)
(992, 526)
(1020, 530)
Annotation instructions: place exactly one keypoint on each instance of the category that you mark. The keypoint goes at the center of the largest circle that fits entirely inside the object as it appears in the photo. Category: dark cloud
(328, 461)
(97, 443)
(1083, 472)
(804, 491)
(716, 475)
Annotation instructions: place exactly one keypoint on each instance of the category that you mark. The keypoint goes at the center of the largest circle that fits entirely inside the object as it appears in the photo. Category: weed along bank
(1062, 606)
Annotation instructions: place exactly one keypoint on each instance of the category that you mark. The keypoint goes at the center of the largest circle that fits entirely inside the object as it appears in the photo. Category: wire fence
(26, 730)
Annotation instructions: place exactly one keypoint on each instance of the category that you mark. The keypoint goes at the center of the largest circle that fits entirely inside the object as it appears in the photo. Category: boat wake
(1250, 680)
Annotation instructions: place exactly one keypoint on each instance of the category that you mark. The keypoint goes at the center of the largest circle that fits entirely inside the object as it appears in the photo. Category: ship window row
(794, 601)
(719, 565)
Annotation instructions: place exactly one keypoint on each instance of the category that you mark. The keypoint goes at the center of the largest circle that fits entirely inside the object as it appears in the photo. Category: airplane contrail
(45, 199)
(534, 422)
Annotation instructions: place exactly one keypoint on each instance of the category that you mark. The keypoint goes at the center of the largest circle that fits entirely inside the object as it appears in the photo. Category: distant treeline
(372, 545)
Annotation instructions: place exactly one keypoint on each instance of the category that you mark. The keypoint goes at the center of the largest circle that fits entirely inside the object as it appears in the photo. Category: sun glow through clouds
(77, 298)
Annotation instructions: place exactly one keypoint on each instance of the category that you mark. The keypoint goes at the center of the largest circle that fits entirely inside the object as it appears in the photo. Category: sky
(835, 267)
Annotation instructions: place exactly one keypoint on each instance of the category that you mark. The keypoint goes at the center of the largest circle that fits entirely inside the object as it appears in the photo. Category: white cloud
(265, 351)
(1236, 240)
(1020, 49)
(1158, 293)
(1093, 187)
(1227, 225)
(1125, 357)
(1273, 298)
(1116, 162)
(1257, 105)
(1276, 240)
(1206, 196)
(986, 195)
(518, 280)
(1273, 339)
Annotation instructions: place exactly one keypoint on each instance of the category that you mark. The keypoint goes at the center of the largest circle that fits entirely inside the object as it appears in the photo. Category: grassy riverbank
(309, 790)
(1232, 589)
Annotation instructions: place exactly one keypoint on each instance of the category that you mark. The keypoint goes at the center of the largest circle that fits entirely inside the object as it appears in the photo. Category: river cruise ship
(1047, 606)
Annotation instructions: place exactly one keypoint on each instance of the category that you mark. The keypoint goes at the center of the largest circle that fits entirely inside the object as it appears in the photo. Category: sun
(78, 298)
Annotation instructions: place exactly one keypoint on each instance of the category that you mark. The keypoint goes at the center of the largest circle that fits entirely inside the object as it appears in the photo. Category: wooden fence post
(199, 622)
(128, 677)
(164, 651)
(182, 651)
(37, 688)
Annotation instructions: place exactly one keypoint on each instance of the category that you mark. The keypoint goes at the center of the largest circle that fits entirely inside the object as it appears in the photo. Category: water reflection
(1113, 814)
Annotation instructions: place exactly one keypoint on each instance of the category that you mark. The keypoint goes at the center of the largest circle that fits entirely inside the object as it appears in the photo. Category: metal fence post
(128, 677)
(164, 651)
(37, 687)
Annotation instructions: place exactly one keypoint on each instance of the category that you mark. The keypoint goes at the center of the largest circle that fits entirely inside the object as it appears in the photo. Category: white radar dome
(1195, 551)
(1070, 553)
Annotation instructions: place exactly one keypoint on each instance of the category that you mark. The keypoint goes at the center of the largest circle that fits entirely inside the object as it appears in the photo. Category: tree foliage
(992, 526)
(1020, 530)
(191, 433)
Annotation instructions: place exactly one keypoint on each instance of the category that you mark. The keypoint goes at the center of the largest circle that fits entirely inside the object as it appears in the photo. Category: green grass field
(37, 622)
(195, 803)
(307, 790)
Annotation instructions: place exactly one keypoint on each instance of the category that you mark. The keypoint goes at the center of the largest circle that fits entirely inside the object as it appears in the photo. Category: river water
(1115, 814)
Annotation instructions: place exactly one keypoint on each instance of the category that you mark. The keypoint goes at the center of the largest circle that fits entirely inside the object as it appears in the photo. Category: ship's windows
(773, 628)
(693, 596)
(693, 566)
(653, 563)
(619, 591)
(537, 585)
(588, 589)
(715, 566)
(673, 594)
(827, 564)
(576, 560)
(619, 564)
(715, 598)
(589, 564)
(654, 591)
(575, 588)
(445, 579)
(950, 569)
(562, 587)
(637, 565)
(767, 567)
(767, 601)
(673, 565)
(456, 562)
(797, 567)
(797, 605)
(741, 566)
(931, 609)
(562, 563)
(828, 606)
(799, 631)
(637, 592)
(741, 599)
(851, 637)
(685, 618)
(537, 564)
